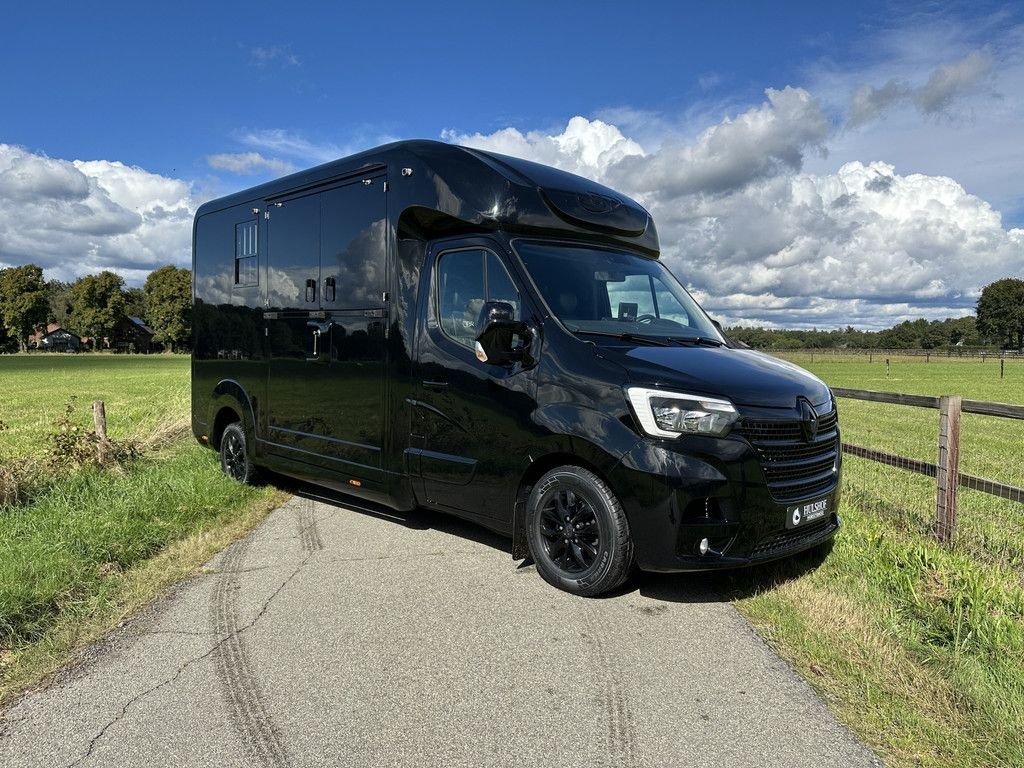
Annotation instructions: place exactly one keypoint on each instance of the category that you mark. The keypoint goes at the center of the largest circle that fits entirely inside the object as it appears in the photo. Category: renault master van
(425, 325)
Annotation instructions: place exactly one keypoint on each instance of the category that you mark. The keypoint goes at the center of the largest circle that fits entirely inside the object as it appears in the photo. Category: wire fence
(946, 470)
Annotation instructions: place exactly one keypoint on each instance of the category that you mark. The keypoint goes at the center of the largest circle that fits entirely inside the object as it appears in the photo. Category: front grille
(794, 468)
(793, 539)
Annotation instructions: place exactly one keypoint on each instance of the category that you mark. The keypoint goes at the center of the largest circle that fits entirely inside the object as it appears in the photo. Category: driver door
(468, 416)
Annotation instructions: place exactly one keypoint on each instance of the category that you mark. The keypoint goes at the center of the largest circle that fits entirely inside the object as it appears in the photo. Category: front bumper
(676, 493)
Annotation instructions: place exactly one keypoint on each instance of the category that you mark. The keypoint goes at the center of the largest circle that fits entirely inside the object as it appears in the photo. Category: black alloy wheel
(578, 533)
(572, 537)
(234, 455)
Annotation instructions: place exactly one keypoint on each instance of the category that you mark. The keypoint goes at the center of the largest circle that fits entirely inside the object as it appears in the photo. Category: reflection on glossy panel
(294, 246)
(326, 391)
(354, 245)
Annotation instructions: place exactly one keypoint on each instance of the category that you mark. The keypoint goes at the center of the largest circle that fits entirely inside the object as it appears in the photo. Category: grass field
(140, 392)
(919, 647)
(968, 377)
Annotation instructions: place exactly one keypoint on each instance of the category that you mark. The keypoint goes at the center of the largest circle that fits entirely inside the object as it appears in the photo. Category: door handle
(310, 289)
(330, 291)
(437, 385)
(318, 330)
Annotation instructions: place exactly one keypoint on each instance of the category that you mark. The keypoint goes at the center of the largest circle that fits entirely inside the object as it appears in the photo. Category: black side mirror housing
(497, 330)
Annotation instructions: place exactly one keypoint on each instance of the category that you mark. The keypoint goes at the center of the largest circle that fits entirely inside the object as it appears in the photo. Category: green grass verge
(80, 557)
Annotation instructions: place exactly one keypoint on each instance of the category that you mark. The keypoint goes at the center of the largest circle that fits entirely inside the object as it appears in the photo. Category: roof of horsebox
(476, 186)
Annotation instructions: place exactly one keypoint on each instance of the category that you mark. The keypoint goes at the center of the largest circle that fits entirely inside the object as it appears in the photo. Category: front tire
(578, 533)
(235, 460)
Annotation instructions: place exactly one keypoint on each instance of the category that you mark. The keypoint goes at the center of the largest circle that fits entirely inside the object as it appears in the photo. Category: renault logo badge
(808, 421)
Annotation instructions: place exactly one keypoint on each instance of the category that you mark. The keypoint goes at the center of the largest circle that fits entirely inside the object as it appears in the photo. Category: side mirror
(732, 342)
(497, 329)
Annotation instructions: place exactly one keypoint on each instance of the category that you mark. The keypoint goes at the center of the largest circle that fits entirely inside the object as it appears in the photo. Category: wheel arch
(231, 403)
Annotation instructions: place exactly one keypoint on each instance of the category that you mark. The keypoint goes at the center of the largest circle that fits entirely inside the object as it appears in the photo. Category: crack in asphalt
(409, 556)
(173, 678)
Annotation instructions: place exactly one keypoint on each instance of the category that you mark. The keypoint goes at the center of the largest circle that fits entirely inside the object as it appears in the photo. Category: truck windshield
(606, 292)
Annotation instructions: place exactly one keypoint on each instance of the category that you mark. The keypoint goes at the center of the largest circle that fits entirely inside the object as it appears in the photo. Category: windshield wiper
(624, 337)
(697, 341)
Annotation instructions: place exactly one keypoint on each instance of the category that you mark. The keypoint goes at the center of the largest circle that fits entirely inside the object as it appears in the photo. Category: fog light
(704, 546)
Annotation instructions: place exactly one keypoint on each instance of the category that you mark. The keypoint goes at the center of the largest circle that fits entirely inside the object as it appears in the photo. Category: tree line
(999, 324)
(93, 305)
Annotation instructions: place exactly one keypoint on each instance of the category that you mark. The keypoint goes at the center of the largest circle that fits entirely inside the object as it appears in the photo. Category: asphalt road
(337, 638)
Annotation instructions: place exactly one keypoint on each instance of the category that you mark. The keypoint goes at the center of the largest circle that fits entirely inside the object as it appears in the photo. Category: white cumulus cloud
(81, 217)
(585, 147)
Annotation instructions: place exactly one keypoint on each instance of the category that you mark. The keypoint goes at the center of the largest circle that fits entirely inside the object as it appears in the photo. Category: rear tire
(578, 533)
(235, 460)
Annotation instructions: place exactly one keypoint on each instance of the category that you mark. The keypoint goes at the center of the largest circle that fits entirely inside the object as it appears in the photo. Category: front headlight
(671, 414)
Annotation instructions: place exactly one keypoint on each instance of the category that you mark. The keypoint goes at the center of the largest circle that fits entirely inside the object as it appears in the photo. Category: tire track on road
(309, 531)
(614, 698)
(234, 668)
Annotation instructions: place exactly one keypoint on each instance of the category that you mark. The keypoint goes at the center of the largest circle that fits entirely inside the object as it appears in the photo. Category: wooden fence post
(947, 478)
(99, 420)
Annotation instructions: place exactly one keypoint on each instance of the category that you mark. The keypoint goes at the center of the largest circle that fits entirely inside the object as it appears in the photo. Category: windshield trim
(670, 339)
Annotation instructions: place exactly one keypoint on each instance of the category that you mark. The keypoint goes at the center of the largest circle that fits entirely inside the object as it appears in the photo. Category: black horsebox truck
(427, 325)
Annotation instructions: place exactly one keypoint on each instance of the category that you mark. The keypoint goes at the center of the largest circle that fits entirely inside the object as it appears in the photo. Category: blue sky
(808, 164)
(164, 89)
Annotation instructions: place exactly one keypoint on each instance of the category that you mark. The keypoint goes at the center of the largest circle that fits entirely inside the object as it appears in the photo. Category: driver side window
(464, 281)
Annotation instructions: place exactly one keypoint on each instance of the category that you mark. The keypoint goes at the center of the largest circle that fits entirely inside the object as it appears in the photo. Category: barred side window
(247, 253)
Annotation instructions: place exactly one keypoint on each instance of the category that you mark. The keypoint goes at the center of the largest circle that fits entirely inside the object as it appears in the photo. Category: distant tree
(907, 335)
(963, 331)
(1001, 312)
(937, 336)
(169, 305)
(135, 303)
(58, 294)
(98, 304)
(23, 301)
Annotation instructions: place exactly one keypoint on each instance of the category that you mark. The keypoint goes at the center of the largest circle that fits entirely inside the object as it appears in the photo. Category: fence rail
(947, 474)
(1002, 410)
(981, 354)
